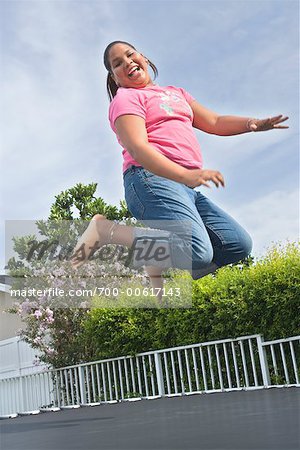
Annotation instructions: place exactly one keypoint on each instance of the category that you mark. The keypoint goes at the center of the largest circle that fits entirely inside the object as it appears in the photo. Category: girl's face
(129, 68)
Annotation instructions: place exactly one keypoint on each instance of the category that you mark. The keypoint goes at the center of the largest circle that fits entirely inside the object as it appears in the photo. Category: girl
(162, 166)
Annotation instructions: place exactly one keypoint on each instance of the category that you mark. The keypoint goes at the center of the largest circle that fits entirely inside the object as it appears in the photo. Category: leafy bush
(261, 298)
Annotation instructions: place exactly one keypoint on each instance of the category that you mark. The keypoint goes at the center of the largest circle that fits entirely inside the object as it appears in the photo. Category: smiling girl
(162, 164)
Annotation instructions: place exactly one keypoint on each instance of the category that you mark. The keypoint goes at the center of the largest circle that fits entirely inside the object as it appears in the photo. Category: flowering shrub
(51, 297)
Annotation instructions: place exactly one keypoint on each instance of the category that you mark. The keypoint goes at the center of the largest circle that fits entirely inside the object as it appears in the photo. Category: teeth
(134, 70)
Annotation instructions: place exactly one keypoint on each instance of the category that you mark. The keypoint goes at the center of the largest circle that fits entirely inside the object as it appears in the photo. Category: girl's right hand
(198, 177)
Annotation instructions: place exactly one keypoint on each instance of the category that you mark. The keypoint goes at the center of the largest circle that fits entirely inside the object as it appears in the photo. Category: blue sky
(236, 57)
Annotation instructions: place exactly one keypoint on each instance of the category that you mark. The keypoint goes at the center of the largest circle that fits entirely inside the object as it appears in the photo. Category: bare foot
(96, 235)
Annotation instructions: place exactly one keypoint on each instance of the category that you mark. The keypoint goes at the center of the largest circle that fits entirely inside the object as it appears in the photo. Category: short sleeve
(189, 98)
(127, 101)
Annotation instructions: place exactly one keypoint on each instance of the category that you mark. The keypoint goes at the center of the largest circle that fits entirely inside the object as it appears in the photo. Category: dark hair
(111, 85)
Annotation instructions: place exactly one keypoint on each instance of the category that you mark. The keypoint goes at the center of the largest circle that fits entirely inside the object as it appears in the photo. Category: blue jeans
(213, 238)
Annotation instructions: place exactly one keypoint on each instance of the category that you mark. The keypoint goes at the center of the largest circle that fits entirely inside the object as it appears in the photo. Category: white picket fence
(217, 366)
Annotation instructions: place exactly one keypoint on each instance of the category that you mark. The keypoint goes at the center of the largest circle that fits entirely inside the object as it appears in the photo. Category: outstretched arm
(213, 123)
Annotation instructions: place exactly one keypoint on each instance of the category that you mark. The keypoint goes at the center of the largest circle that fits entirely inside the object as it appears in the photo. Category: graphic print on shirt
(168, 97)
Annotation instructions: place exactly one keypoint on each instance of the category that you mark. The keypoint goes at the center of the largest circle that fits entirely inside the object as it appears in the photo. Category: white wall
(16, 358)
(9, 323)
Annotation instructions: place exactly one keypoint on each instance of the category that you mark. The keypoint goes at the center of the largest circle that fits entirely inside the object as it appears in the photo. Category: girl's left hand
(267, 124)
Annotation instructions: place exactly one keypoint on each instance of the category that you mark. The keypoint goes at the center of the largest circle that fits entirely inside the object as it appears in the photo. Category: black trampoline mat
(261, 420)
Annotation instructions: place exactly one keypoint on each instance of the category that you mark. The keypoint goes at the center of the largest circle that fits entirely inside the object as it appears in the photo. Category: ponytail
(111, 86)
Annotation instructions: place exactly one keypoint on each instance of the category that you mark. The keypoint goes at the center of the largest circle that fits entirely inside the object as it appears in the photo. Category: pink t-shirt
(168, 118)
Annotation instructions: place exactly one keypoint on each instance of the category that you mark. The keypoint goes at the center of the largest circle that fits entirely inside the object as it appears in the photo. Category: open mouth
(135, 69)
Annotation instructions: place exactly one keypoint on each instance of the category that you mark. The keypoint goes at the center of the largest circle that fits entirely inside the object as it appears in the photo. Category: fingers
(283, 119)
(278, 119)
(269, 124)
(221, 179)
(204, 183)
(217, 179)
(204, 177)
(275, 118)
(214, 176)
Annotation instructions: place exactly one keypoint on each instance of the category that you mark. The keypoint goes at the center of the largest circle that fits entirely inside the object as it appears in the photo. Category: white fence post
(82, 389)
(263, 361)
(22, 395)
(159, 374)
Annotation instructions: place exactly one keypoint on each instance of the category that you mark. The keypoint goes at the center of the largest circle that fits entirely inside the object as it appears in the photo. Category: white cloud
(54, 124)
(271, 218)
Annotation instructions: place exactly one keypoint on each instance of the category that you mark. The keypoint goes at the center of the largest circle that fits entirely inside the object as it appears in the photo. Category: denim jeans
(212, 238)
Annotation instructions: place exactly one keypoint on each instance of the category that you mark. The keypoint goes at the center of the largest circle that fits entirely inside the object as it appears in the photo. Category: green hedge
(240, 300)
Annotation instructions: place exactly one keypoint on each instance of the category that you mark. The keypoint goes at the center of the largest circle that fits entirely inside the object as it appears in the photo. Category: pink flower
(49, 312)
(49, 319)
(42, 328)
(83, 305)
(37, 313)
(49, 351)
(25, 307)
